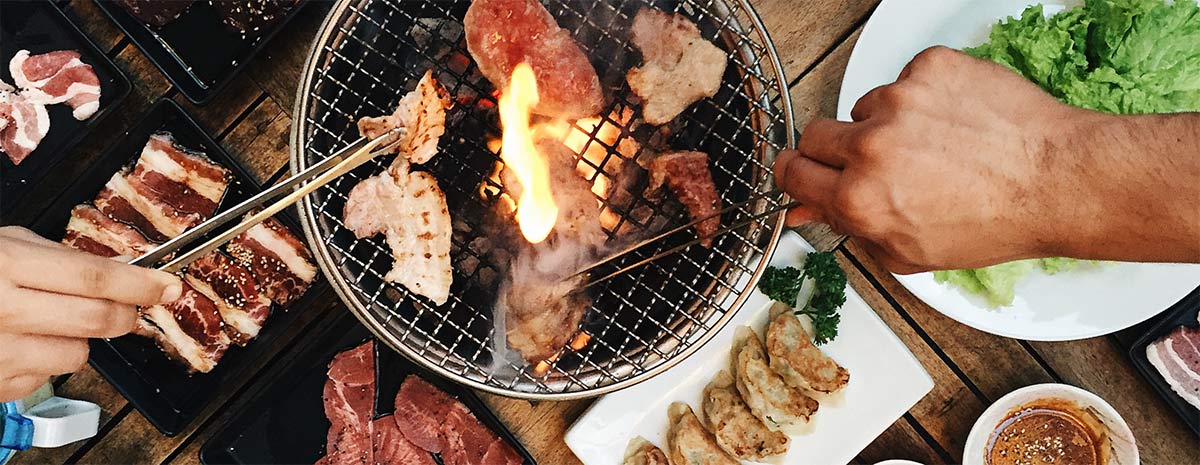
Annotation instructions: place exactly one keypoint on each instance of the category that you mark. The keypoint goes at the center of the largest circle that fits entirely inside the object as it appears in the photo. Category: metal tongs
(342, 162)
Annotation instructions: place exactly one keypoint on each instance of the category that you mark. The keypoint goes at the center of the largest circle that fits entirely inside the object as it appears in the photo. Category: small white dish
(1079, 304)
(885, 381)
(898, 462)
(1123, 450)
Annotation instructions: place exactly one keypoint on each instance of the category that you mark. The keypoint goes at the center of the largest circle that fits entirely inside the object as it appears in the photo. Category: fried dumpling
(642, 452)
(734, 426)
(793, 355)
(688, 443)
(779, 406)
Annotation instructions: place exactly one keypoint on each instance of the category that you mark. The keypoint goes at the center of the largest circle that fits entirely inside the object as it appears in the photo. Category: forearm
(1135, 189)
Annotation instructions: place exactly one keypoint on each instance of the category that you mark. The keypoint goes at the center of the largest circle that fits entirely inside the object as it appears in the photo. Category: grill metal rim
(693, 340)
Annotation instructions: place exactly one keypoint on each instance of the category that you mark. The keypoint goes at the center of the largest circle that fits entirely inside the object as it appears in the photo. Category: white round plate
(1073, 305)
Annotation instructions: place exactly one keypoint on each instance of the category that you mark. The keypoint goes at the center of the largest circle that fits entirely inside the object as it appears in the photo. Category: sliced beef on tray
(94, 232)
(57, 77)
(235, 292)
(349, 399)
(354, 437)
(1177, 358)
(282, 264)
(438, 423)
(189, 329)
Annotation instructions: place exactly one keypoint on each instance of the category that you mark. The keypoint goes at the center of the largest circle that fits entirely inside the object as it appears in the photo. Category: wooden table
(251, 118)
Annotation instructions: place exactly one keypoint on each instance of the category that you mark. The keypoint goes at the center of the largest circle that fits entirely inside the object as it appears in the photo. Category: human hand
(949, 167)
(52, 298)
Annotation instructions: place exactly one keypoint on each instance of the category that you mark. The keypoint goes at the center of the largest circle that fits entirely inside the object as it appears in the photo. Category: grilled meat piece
(687, 174)
(422, 112)
(679, 67)
(504, 33)
(410, 209)
(57, 77)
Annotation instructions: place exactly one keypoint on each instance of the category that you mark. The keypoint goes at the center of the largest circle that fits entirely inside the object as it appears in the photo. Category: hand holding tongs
(321, 173)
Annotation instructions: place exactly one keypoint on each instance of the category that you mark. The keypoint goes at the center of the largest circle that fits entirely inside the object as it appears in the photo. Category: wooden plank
(949, 410)
(900, 441)
(148, 86)
(802, 34)
(126, 441)
(539, 426)
(260, 141)
(277, 69)
(94, 23)
(231, 104)
(996, 365)
(1099, 366)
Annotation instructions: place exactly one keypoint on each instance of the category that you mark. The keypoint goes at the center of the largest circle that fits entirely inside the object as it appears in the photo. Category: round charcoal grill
(640, 323)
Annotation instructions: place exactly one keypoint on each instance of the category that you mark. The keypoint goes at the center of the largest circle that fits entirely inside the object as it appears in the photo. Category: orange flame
(536, 210)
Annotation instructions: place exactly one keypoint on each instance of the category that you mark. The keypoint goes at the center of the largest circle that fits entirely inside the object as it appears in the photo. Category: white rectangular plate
(885, 381)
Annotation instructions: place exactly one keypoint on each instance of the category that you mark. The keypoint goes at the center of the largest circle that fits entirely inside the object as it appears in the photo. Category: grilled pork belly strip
(234, 291)
(189, 330)
(57, 77)
(277, 258)
(422, 112)
(92, 231)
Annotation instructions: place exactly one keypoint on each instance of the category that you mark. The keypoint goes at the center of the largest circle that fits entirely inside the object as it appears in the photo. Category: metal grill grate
(370, 52)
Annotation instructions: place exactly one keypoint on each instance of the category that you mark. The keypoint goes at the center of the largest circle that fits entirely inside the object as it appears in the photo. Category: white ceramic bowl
(1123, 446)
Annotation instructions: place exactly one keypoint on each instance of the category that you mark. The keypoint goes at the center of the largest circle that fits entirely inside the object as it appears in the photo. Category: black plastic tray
(286, 423)
(160, 388)
(40, 27)
(1183, 313)
(196, 51)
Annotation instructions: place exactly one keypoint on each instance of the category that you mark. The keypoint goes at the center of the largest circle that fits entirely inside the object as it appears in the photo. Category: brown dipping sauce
(1049, 432)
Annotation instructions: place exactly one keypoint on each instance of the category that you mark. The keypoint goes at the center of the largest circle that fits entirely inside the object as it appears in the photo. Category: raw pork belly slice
(504, 33)
(1177, 358)
(410, 209)
(687, 174)
(437, 423)
(235, 291)
(94, 232)
(57, 77)
(349, 399)
(282, 264)
(169, 190)
(189, 330)
(679, 67)
(163, 161)
(422, 112)
(23, 124)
